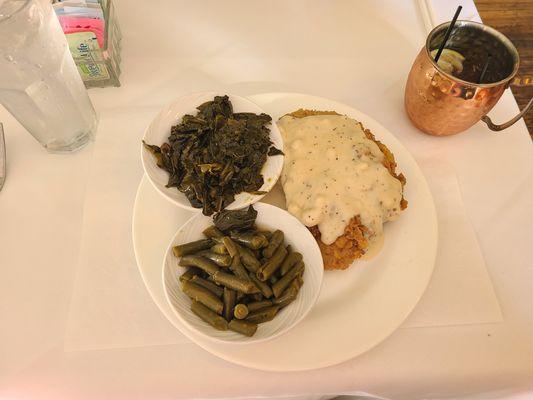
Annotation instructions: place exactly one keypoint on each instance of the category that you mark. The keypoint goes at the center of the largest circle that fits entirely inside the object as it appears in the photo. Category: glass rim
(15, 12)
(497, 34)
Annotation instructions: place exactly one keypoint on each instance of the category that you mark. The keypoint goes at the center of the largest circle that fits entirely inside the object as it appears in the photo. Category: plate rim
(378, 338)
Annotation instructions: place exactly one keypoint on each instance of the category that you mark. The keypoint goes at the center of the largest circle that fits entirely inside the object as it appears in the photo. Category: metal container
(439, 103)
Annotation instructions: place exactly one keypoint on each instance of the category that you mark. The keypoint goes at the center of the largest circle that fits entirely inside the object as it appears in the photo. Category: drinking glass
(39, 82)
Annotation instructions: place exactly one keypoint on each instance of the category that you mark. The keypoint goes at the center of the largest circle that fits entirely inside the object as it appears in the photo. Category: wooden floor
(515, 20)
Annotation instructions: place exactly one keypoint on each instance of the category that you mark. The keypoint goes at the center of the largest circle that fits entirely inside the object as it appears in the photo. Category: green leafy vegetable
(216, 154)
(228, 220)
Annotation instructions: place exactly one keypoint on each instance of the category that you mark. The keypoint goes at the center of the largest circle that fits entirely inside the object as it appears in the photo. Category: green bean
(201, 262)
(234, 282)
(223, 260)
(299, 281)
(263, 315)
(192, 247)
(248, 259)
(275, 241)
(219, 248)
(230, 245)
(240, 311)
(237, 268)
(203, 295)
(290, 261)
(229, 302)
(289, 249)
(212, 287)
(273, 279)
(257, 305)
(287, 296)
(284, 282)
(213, 232)
(272, 265)
(215, 320)
(189, 274)
(244, 327)
(256, 297)
(263, 287)
(266, 234)
(252, 240)
(240, 297)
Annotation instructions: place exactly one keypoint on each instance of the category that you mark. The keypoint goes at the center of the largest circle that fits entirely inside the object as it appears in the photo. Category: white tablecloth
(355, 52)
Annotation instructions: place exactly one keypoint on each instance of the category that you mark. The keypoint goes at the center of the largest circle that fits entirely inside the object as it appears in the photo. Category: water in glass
(39, 82)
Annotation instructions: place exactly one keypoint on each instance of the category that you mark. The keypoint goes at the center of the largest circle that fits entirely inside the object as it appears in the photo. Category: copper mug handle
(524, 81)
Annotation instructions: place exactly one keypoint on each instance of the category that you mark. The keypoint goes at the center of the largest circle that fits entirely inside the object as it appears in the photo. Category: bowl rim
(311, 304)
(254, 198)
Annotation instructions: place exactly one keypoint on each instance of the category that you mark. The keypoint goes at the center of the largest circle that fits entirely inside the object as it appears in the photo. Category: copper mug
(439, 103)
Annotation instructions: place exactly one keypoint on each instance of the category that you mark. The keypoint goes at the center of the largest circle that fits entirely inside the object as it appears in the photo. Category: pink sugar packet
(78, 24)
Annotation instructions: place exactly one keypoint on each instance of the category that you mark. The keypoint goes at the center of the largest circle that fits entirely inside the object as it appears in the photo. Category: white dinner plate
(357, 308)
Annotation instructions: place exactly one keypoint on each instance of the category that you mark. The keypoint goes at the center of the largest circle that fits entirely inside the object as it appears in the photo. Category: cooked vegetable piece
(212, 232)
(234, 282)
(240, 311)
(273, 151)
(237, 268)
(266, 234)
(231, 247)
(212, 287)
(245, 327)
(257, 305)
(290, 261)
(229, 297)
(256, 296)
(263, 287)
(287, 296)
(272, 265)
(202, 295)
(240, 297)
(263, 315)
(201, 262)
(275, 241)
(223, 260)
(187, 275)
(248, 259)
(160, 160)
(212, 318)
(284, 282)
(192, 247)
(252, 240)
(219, 248)
(228, 220)
(300, 279)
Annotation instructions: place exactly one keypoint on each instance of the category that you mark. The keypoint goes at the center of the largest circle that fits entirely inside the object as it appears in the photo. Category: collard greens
(216, 154)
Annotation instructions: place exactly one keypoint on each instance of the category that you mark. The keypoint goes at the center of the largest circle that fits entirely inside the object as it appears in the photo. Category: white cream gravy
(333, 173)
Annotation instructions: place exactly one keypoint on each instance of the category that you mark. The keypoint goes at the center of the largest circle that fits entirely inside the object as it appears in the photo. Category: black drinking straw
(448, 32)
(484, 70)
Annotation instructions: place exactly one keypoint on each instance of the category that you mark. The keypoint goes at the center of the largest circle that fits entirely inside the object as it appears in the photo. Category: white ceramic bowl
(269, 217)
(159, 129)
